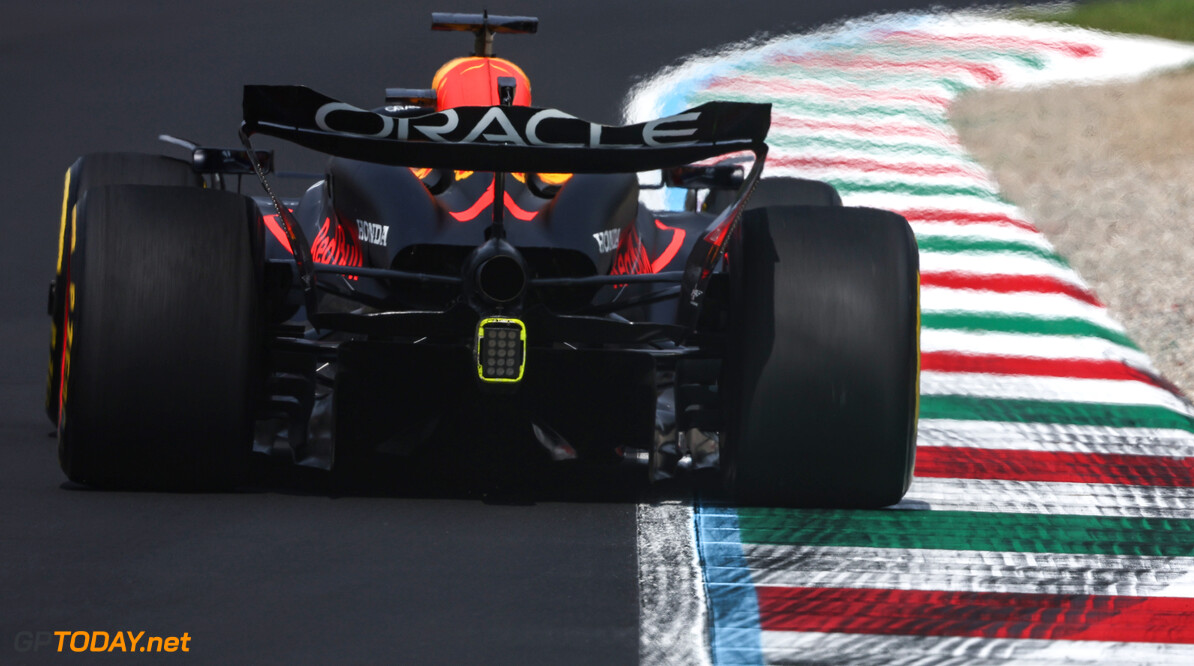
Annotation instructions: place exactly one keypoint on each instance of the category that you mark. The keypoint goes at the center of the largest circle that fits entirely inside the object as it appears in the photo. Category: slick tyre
(97, 170)
(820, 382)
(164, 338)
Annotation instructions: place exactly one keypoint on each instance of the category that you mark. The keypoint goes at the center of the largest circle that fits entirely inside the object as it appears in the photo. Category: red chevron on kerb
(986, 74)
(1076, 368)
(1053, 467)
(964, 217)
(767, 88)
(977, 614)
(1008, 284)
(996, 42)
(884, 128)
(876, 166)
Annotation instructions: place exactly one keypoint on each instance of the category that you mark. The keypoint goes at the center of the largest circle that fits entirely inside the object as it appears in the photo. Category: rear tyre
(164, 338)
(97, 170)
(821, 375)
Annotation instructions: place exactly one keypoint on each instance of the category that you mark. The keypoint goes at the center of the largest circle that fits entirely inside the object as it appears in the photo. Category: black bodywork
(392, 281)
(414, 237)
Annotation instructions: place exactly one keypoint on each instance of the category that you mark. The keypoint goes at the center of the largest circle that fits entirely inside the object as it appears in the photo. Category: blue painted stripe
(734, 606)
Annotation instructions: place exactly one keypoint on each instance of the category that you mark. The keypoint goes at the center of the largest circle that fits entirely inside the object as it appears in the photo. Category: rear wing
(503, 138)
(515, 139)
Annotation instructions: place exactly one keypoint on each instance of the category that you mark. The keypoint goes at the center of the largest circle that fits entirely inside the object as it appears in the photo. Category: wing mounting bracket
(484, 26)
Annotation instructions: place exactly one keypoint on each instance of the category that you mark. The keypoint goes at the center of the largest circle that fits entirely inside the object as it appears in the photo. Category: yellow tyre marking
(62, 224)
(70, 317)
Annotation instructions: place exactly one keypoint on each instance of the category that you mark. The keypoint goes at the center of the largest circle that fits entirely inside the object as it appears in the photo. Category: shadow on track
(490, 472)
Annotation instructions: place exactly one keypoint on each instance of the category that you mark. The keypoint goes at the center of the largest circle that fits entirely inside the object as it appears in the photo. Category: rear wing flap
(502, 138)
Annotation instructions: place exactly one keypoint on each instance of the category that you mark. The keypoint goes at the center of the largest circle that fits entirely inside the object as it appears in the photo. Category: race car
(470, 266)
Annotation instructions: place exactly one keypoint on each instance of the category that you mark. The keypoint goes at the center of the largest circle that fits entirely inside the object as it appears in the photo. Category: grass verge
(1171, 19)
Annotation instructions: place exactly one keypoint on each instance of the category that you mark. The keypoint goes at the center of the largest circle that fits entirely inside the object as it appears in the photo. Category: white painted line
(930, 231)
(880, 650)
(968, 570)
(1055, 438)
(1045, 306)
(1079, 499)
(1095, 391)
(1030, 345)
(897, 202)
(673, 619)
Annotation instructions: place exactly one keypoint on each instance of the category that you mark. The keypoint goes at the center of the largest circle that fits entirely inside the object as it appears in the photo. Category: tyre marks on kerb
(1052, 466)
(968, 570)
(1042, 497)
(1050, 437)
(1078, 345)
(674, 620)
(1052, 517)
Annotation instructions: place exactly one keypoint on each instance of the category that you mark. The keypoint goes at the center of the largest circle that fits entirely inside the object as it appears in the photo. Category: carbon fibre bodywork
(428, 223)
(386, 362)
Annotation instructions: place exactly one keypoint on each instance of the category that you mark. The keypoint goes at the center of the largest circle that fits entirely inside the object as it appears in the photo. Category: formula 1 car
(472, 266)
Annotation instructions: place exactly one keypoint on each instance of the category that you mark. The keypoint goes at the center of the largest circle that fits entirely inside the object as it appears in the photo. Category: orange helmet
(473, 81)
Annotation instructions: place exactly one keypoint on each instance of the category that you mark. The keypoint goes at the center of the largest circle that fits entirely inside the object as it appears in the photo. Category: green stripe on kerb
(966, 408)
(878, 149)
(999, 323)
(787, 103)
(915, 189)
(876, 79)
(923, 49)
(960, 530)
(966, 244)
(928, 50)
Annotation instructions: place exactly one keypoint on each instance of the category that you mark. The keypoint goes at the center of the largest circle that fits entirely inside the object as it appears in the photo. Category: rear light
(501, 349)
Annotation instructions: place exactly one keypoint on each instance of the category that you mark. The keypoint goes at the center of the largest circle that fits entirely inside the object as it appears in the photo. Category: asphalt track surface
(519, 567)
